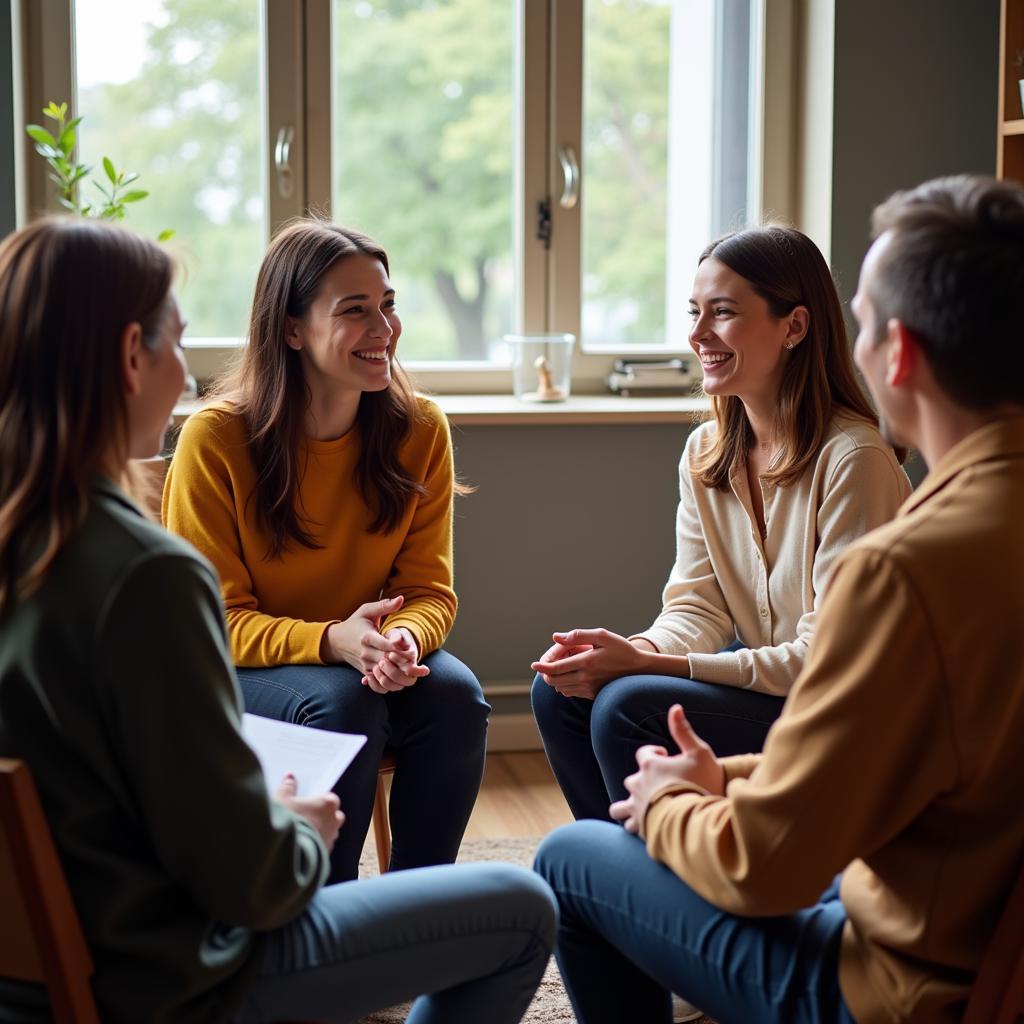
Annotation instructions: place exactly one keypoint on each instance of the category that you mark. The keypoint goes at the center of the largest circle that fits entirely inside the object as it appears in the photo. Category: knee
(455, 688)
(615, 711)
(533, 901)
(567, 850)
(544, 701)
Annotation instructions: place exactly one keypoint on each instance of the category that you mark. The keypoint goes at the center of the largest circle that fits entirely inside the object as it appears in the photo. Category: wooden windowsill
(579, 410)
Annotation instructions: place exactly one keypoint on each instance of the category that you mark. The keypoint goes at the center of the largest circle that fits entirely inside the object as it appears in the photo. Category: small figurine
(546, 391)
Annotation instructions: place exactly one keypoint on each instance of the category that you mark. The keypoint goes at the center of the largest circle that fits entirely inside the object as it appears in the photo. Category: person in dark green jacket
(200, 898)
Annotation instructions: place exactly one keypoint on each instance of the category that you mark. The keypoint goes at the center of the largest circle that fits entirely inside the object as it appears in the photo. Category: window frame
(295, 84)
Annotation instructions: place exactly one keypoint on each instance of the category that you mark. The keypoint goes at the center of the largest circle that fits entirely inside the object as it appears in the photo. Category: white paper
(315, 757)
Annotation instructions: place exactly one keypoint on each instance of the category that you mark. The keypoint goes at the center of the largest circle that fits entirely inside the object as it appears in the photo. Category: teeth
(373, 357)
(710, 358)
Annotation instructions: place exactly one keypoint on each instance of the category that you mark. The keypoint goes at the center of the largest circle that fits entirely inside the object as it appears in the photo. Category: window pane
(665, 131)
(423, 137)
(171, 89)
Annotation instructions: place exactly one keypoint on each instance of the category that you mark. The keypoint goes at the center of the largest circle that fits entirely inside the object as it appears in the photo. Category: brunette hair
(268, 389)
(953, 272)
(787, 270)
(68, 289)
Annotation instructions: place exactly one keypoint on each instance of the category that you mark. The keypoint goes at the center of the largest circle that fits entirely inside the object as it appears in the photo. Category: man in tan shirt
(898, 758)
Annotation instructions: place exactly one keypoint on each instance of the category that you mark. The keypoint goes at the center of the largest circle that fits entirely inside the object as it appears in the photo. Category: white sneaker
(684, 1011)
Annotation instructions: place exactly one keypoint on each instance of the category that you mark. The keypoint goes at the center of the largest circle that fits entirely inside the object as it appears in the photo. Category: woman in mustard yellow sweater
(320, 487)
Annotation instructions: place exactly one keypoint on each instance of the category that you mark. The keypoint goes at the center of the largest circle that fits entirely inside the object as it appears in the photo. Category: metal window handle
(570, 177)
(282, 160)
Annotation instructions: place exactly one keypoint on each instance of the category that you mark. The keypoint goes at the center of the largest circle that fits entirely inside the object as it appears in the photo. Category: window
(537, 165)
(177, 100)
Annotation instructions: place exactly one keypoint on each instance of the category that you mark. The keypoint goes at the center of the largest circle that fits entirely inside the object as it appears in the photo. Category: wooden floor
(519, 798)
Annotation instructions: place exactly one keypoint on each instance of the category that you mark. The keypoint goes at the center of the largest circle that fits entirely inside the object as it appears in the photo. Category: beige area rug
(550, 1005)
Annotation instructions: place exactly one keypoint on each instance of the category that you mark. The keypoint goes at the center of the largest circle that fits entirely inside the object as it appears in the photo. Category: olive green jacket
(117, 688)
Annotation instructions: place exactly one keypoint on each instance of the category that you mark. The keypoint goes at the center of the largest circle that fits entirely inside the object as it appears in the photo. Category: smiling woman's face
(741, 345)
(347, 338)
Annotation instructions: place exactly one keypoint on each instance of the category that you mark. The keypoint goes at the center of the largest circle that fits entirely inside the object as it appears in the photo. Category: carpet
(550, 1005)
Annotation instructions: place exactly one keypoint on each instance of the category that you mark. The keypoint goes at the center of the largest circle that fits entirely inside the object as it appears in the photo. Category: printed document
(315, 757)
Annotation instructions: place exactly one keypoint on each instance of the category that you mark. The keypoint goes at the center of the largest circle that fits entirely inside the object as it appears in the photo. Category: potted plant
(57, 149)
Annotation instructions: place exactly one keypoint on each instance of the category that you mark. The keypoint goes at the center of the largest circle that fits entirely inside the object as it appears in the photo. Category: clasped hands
(388, 661)
(696, 763)
(581, 661)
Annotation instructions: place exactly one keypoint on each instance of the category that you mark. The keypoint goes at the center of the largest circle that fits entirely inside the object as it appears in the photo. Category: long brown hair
(269, 390)
(68, 289)
(787, 270)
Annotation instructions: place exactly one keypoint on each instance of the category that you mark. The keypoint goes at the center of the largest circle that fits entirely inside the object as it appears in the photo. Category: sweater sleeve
(694, 614)
(422, 571)
(200, 504)
(863, 491)
(775, 841)
(172, 704)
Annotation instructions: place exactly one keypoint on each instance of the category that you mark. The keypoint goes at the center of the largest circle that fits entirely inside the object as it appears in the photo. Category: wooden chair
(381, 828)
(40, 937)
(997, 996)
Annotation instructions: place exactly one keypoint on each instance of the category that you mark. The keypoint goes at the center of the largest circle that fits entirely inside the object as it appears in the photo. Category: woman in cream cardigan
(790, 469)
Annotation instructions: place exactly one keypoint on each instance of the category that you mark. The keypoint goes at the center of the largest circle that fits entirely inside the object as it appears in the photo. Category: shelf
(581, 410)
(1013, 127)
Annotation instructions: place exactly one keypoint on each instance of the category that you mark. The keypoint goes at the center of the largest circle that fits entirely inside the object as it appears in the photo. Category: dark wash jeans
(631, 932)
(437, 729)
(591, 745)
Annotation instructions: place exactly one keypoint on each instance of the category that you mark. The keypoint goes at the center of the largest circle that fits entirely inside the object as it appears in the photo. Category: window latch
(544, 222)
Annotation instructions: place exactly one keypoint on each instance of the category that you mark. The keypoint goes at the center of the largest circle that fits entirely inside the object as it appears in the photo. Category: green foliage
(194, 111)
(67, 173)
(423, 130)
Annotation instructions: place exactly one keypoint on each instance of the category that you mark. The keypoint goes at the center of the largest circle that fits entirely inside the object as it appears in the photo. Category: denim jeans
(471, 940)
(437, 729)
(592, 745)
(631, 932)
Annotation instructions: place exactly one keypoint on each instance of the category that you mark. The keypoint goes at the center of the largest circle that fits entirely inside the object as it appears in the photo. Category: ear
(293, 333)
(799, 324)
(131, 358)
(903, 355)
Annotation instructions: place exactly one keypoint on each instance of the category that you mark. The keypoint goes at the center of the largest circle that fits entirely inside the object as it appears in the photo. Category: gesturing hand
(357, 640)
(320, 811)
(398, 668)
(583, 660)
(657, 769)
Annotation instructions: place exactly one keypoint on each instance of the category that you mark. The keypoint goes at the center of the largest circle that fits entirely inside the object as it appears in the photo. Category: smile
(711, 359)
(372, 355)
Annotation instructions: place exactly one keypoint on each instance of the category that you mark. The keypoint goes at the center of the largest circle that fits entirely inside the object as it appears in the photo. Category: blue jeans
(475, 937)
(631, 932)
(591, 745)
(437, 729)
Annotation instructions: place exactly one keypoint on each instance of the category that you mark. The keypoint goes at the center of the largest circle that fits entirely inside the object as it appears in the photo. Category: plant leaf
(166, 235)
(67, 141)
(97, 185)
(135, 196)
(47, 152)
(40, 134)
(69, 205)
(127, 179)
(108, 167)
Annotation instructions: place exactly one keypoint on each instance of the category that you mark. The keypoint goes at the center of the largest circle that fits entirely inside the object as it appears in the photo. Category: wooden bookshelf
(1010, 128)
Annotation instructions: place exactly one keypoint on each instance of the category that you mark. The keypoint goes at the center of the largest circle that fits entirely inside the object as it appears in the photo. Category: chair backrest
(40, 936)
(997, 996)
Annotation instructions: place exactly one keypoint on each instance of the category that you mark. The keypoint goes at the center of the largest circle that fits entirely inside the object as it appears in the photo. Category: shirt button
(764, 613)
